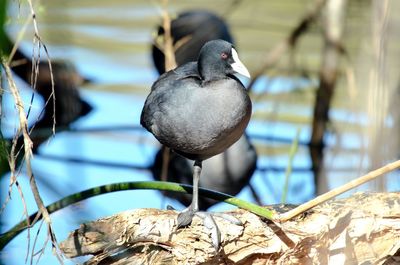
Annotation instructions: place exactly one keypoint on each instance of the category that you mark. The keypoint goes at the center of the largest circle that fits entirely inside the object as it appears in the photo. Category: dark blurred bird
(69, 106)
(199, 109)
(230, 171)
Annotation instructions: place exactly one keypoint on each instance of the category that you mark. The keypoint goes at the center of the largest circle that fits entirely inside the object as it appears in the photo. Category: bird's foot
(185, 218)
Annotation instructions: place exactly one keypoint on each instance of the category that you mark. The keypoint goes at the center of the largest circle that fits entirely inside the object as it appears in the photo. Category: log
(361, 229)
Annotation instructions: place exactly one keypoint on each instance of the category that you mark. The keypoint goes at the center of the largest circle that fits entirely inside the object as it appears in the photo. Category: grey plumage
(198, 114)
(199, 110)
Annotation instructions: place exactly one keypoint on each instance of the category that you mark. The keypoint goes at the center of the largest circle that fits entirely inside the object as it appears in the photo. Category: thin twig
(169, 54)
(28, 148)
(27, 141)
(11, 157)
(339, 190)
(18, 40)
(35, 61)
(170, 63)
(23, 128)
(35, 241)
(292, 152)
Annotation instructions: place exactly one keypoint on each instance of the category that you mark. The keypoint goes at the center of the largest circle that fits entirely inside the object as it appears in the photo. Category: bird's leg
(196, 178)
(185, 217)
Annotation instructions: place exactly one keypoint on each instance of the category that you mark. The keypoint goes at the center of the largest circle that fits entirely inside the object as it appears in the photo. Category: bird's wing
(188, 70)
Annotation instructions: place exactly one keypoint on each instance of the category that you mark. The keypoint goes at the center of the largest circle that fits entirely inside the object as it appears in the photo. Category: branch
(339, 190)
(134, 185)
(364, 228)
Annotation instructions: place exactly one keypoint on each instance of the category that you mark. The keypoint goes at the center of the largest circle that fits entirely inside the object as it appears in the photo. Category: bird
(68, 107)
(198, 110)
(229, 171)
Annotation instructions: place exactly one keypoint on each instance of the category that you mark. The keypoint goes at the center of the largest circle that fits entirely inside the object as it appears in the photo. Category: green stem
(293, 150)
(6, 237)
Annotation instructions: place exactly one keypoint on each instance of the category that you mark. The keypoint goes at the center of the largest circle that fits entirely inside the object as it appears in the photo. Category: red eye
(224, 55)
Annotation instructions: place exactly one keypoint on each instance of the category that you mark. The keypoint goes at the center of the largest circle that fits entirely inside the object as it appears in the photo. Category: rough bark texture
(362, 229)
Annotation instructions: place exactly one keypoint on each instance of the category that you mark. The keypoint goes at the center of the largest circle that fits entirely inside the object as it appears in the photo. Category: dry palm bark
(362, 229)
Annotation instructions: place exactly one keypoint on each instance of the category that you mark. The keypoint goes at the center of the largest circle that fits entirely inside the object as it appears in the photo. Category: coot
(199, 109)
(229, 171)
